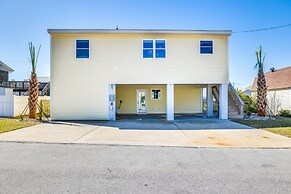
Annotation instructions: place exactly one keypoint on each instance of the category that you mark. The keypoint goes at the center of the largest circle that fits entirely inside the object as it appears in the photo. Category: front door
(141, 101)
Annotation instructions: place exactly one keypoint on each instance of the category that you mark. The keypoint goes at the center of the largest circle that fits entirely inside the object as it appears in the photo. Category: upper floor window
(154, 49)
(82, 48)
(206, 47)
(148, 49)
(160, 49)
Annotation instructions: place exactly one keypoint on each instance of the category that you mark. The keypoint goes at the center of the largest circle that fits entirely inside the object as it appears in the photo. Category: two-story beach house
(96, 73)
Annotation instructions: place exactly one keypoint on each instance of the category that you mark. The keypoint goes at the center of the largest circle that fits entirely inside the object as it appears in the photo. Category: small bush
(251, 105)
(252, 108)
(285, 113)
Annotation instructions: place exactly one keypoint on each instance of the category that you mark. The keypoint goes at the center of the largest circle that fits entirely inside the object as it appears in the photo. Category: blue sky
(25, 21)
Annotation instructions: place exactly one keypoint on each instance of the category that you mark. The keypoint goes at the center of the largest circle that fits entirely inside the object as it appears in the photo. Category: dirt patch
(212, 138)
(266, 137)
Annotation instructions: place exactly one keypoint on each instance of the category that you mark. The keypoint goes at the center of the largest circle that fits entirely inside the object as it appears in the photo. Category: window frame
(160, 49)
(200, 47)
(154, 49)
(148, 49)
(160, 95)
(89, 48)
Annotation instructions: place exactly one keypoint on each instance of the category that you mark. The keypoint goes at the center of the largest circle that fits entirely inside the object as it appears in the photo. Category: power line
(263, 29)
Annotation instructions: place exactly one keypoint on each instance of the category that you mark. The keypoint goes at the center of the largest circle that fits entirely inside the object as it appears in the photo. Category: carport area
(192, 133)
(163, 101)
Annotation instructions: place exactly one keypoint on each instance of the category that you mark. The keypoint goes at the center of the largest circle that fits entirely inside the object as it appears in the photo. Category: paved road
(57, 168)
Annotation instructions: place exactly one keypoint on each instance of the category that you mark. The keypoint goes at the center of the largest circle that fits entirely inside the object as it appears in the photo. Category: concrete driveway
(196, 133)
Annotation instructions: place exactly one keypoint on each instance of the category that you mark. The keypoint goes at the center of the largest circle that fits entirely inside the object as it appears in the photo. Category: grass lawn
(282, 125)
(10, 124)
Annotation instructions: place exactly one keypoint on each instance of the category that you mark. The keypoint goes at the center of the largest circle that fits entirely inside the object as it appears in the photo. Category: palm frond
(33, 58)
(260, 61)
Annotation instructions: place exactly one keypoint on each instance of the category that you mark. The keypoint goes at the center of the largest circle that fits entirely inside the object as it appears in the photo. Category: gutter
(144, 31)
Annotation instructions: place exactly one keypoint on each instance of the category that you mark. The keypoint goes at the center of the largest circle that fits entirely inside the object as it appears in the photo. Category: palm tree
(261, 84)
(33, 83)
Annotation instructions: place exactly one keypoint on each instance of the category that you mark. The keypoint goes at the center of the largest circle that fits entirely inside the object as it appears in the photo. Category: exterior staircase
(235, 103)
(233, 112)
(46, 90)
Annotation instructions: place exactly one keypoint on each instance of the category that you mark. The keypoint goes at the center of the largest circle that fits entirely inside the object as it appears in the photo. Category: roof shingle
(278, 79)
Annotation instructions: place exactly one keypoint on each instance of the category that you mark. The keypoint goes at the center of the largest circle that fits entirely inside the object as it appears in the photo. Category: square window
(156, 94)
(154, 49)
(82, 49)
(206, 47)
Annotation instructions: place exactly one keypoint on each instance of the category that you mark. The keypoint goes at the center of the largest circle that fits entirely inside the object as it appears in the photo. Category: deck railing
(22, 86)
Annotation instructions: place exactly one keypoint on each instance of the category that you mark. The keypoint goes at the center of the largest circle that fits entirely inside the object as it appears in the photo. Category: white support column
(170, 102)
(223, 101)
(112, 101)
(209, 106)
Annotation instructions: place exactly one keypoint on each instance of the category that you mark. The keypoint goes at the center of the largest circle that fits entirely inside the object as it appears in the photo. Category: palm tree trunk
(33, 95)
(261, 93)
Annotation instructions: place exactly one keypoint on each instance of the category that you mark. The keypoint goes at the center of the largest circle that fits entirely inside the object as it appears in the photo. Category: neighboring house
(96, 73)
(278, 89)
(20, 88)
(4, 73)
(247, 91)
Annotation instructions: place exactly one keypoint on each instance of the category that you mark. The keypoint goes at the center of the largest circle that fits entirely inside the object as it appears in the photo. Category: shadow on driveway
(197, 124)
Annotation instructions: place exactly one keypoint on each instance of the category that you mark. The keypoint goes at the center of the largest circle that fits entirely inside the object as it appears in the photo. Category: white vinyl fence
(6, 102)
(11, 106)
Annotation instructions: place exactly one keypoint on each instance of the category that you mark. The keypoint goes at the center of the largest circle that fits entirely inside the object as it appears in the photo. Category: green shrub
(251, 105)
(285, 113)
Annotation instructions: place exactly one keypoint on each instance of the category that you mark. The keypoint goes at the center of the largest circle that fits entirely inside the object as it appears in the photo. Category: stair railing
(45, 89)
(236, 98)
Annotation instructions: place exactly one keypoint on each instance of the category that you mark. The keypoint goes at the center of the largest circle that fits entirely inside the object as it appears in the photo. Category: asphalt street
(74, 168)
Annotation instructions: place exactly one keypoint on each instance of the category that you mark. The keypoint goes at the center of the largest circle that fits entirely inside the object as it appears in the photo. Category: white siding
(80, 86)
(279, 99)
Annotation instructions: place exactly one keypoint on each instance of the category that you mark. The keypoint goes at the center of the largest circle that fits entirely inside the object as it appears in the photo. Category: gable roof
(278, 79)
(151, 31)
(5, 67)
